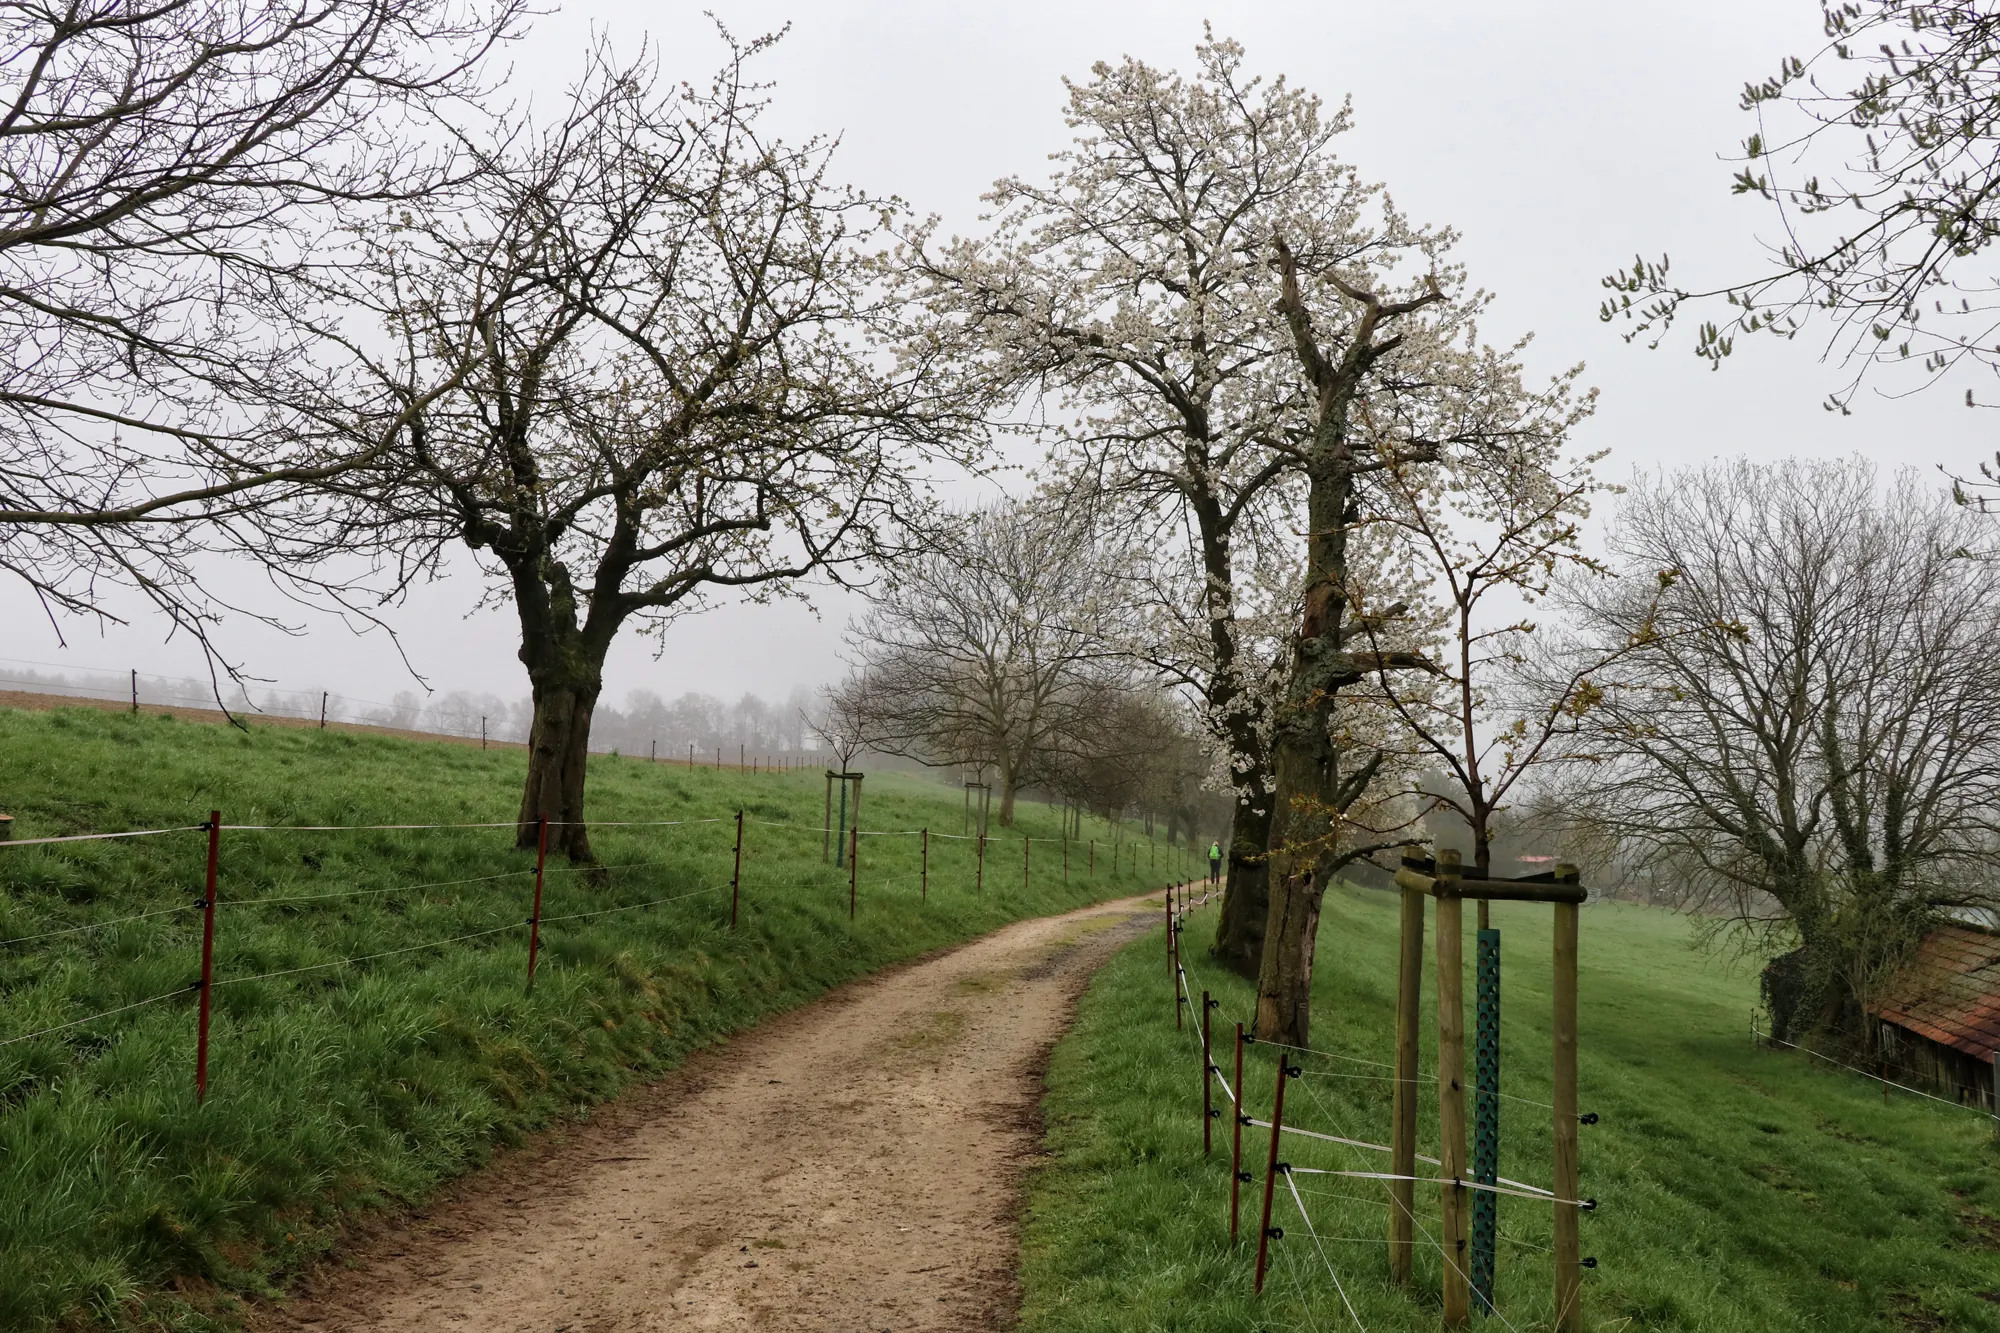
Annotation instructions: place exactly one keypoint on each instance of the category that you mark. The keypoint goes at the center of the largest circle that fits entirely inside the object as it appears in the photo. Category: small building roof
(1949, 991)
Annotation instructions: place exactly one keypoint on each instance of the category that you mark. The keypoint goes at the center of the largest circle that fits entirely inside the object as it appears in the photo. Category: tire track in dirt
(850, 1167)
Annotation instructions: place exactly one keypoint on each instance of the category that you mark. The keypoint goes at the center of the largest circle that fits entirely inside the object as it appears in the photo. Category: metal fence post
(1236, 1173)
(736, 875)
(1266, 1233)
(1207, 1078)
(535, 914)
(207, 955)
(1485, 1112)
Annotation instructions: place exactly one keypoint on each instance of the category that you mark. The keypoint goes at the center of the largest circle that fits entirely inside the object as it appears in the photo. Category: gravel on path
(852, 1166)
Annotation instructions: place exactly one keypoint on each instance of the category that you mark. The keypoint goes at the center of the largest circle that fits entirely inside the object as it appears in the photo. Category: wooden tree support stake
(1403, 1138)
(1451, 1097)
(1568, 1261)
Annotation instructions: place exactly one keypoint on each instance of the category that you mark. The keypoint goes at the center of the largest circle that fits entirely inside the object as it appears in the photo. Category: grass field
(343, 1086)
(1741, 1189)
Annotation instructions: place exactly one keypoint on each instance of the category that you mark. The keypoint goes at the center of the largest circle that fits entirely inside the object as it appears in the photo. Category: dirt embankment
(850, 1166)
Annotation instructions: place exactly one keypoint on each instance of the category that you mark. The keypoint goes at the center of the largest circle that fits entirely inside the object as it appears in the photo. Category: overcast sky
(1559, 138)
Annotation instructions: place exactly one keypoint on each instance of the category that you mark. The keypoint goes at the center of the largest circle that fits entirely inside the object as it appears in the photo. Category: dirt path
(850, 1167)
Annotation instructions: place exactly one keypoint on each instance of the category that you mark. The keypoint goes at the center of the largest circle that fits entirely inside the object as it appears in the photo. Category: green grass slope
(340, 1085)
(1742, 1191)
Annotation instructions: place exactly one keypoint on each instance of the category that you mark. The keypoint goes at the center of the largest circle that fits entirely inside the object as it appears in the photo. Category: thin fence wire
(101, 925)
(103, 837)
(92, 1018)
(1338, 1285)
(1902, 1087)
(367, 957)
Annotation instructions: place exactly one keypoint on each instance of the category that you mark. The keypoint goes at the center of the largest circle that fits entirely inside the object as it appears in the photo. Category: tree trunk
(1284, 980)
(558, 749)
(1246, 894)
(1310, 796)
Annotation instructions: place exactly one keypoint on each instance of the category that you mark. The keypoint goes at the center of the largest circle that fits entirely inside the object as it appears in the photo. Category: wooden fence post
(1403, 1138)
(924, 884)
(1451, 1090)
(826, 828)
(1568, 1262)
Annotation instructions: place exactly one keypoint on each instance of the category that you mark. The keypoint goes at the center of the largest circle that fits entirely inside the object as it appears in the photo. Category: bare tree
(1491, 547)
(673, 386)
(167, 171)
(995, 646)
(1803, 737)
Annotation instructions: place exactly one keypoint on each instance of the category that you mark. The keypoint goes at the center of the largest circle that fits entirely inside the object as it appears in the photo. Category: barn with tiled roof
(1940, 1015)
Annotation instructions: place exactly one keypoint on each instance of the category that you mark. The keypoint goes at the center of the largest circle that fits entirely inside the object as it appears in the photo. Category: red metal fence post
(1207, 1083)
(1265, 1233)
(1236, 1176)
(853, 859)
(736, 875)
(1092, 869)
(535, 915)
(979, 877)
(207, 958)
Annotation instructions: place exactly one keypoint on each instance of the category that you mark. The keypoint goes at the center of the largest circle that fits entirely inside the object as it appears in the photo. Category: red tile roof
(1949, 991)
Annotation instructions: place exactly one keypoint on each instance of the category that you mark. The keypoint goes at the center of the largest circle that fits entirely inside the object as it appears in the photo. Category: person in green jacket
(1214, 862)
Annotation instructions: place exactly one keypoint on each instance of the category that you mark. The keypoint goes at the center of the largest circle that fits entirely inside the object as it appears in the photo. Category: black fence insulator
(1278, 1233)
(1588, 1261)
(1244, 1176)
(1587, 1118)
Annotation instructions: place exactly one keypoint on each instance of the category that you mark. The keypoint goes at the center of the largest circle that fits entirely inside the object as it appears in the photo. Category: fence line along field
(1735, 1188)
(370, 1030)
